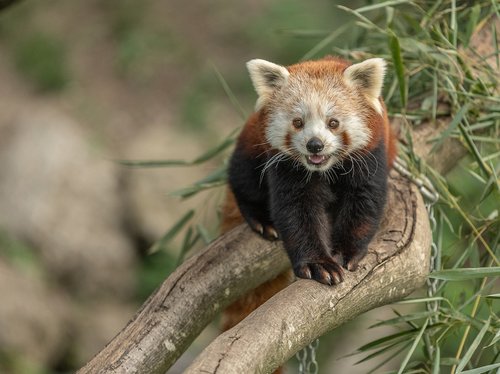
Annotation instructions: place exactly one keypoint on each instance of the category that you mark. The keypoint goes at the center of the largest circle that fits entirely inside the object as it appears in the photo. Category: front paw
(267, 230)
(328, 272)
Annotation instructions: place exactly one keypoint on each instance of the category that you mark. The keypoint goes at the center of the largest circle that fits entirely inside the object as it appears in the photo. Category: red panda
(310, 168)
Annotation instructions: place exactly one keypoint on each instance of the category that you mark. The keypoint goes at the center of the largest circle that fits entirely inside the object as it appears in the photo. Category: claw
(256, 226)
(271, 233)
(327, 272)
(265, 230)
(338, 278)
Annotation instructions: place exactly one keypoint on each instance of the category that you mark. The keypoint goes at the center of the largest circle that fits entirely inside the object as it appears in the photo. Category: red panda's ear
(368, 77)
(266, 77)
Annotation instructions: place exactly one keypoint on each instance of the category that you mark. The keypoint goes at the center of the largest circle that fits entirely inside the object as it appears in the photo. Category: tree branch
(240, 260)
(396, 264)
(188, 300)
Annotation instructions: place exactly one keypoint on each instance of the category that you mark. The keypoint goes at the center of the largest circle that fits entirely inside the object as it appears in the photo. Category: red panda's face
(318, 111)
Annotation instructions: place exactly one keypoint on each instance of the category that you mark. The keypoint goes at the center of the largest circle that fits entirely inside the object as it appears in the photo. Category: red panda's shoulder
(252, 139)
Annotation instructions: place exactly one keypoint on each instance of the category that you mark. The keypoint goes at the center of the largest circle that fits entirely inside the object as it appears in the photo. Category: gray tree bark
(397, 263)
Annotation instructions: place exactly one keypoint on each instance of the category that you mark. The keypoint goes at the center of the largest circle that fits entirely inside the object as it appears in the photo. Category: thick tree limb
(239, 261)
(188, 300)
(396, 264)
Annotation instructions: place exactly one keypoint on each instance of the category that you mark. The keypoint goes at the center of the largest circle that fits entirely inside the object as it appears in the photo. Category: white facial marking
(278, 128)
(358, 132)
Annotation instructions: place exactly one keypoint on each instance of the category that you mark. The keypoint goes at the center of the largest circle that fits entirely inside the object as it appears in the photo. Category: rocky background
(82, 85)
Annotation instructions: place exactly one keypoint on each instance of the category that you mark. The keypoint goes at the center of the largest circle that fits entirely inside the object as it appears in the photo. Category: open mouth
(317, 160)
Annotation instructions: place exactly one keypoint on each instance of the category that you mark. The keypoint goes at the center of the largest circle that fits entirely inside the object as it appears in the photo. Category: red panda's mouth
(317, 159)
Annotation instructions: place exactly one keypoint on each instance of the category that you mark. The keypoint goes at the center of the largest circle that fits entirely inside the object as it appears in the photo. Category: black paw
(327, 272)
(266, 230)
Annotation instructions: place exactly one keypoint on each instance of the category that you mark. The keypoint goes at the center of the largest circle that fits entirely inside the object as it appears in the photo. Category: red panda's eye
(298, 123)
(333, 123)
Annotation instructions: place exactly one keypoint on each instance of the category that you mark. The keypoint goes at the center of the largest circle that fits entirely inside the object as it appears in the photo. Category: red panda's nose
(315, 145)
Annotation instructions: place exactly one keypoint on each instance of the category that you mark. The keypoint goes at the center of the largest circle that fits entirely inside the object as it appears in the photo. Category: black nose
(314, 145)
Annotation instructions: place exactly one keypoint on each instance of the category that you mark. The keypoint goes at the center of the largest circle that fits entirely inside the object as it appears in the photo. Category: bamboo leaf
(495, 37)
(230, 94)
(465, 273)
(188, 192)
(226, 143)
(422, 300)
(363, 18)
(472, 347)
(326, 41)
(170, 234)
(215, 179)
(383, 362)
(205, 235)
(404, 318)
(382, 5)
(214, 151)
(187, 244)
(381, 351)
(413, 347)
(495, 339)
(398, 66)
(152, 163)
(451, 127)
(437, 360)
(473, 149)
(471, 25)
(482, 369)
(386, 339)
(493, 296)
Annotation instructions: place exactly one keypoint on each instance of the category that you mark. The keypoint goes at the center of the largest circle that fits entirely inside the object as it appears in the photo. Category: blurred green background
(86, 83)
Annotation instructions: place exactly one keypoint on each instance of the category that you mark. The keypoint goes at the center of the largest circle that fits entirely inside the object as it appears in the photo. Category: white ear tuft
(266, 77)
(368, 77)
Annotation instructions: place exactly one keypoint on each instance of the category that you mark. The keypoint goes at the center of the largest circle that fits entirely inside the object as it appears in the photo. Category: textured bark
(239, 261)
(188, 300)
(396, 264)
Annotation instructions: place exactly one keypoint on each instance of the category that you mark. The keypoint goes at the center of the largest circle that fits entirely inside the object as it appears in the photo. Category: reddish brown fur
(238, 310)
(363, 229)
(345, 139)
(288, 141)
(320, 68)
(252, 139)
(389, 138)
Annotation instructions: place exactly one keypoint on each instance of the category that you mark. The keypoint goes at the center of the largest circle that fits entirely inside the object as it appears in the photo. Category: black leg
(251, 193)
(355, 220)
(299, 213)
